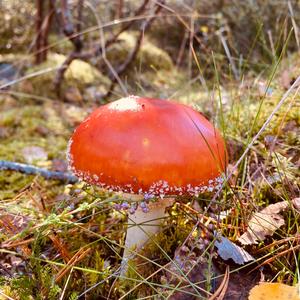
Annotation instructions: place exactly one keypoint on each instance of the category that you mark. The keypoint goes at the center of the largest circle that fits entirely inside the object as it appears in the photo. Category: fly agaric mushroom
(151, 150)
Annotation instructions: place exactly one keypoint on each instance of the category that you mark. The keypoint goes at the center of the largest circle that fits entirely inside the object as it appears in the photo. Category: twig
(77, 257)
(31, 75)
(227, 51)
(61, 71)
(6, 296)
(103, 47)
(74, 38)
(32, 170)
(79, 15)
(68, 27)
(16, 244)
(39, 22)
(126, 26)
(45, 30)
(221, 291)
(146, 24)
(119, 9)
(12, 229)
(181, 49)
(132, 55)
(274, 257)
(42, 28)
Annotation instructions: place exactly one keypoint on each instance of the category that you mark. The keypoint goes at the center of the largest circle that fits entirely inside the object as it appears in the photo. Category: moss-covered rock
(79, 75)
(149, 56)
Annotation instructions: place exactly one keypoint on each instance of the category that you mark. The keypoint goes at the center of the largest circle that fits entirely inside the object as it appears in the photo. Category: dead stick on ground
(32, 170)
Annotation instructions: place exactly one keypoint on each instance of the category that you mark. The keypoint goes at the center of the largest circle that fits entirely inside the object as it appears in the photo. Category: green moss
(149, 57)
(16, 25)
(60, 44)
(31, 125)
(11, 183)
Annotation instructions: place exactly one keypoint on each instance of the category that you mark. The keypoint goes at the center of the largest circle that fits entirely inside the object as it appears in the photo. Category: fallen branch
(62, 69)
(75, 38)
(67, 24)
(126, 26)
(32, 170)
(132, 55)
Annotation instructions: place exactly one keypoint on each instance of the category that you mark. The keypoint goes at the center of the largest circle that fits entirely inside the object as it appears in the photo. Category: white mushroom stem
(141, 227)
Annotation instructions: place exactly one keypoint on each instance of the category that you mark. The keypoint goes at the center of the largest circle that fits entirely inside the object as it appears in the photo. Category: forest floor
(64, 241)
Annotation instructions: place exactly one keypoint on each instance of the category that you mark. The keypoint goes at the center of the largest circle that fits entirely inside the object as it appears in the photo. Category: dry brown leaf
(266, 222)
(274, 291)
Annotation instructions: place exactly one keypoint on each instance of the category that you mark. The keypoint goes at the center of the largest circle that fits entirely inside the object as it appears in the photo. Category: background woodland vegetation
(235, 61)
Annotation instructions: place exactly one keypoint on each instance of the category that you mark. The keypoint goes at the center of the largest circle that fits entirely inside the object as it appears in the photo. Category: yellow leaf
(274, 291)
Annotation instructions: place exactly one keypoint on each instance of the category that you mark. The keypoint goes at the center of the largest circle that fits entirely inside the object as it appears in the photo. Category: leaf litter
(274, 291)
(266, 222)
(227, 250)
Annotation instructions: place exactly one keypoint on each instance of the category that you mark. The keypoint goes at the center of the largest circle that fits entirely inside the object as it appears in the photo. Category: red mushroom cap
(148, 146)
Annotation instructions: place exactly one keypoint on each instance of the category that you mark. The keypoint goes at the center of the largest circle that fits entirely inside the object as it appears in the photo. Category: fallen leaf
(227, 250)
(266, 222)
(274, 291)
